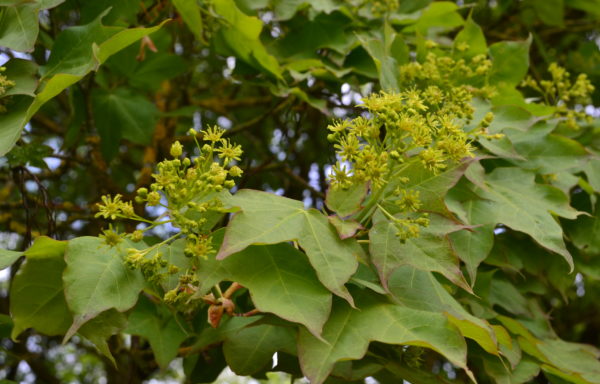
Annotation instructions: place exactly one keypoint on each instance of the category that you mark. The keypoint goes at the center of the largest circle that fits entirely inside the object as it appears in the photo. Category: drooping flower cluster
(190, 190)
(423, 122)
(569, 97)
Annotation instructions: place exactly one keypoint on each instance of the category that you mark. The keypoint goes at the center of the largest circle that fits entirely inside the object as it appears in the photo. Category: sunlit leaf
(270, 219)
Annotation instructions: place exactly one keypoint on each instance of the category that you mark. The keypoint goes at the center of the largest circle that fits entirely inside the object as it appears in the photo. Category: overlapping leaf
(96, 279)
(349, 331)
(280, 280)
(432, 187)
(430, 251)
(7, 257)
(268, 219)
(242, 36)
(76, 52)
(161, 329)
(121, 113)
(100, 328)
(515, 200)
(576, 363)
(37, 299)
(420, 290)
(251, 348)
(346, 202)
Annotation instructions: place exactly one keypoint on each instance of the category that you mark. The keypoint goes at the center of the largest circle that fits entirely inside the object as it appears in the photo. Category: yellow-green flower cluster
(565, 94)
(152, 267)
(423, 122)
(382, 7)
(181, 296)
(190, 190)
(113, 208)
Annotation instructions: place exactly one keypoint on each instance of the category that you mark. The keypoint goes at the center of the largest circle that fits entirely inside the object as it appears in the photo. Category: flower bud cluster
(423, 122)
(190, 190)
(181, 296)
(564, 94)
(382, 7)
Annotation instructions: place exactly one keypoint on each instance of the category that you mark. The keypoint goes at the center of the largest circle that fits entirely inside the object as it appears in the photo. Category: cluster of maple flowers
(569, 97)
(424, 122)
(190, 190)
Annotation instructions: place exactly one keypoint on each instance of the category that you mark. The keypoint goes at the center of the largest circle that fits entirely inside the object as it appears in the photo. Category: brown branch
(302, 182)
(221, 105)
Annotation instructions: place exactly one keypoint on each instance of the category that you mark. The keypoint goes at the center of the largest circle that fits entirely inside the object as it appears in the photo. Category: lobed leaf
(280, 281)
(349, 331)
(96, 279)
(269, 219)
(160, 328)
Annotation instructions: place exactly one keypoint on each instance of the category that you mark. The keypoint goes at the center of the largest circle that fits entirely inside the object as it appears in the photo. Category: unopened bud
(176, 149)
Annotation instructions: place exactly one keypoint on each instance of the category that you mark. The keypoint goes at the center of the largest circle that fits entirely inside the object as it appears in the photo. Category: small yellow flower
(213, 134)
(229, 152)
(235, 171)
(432, 159)
(111, 237)
(110, 207)
(153, 198)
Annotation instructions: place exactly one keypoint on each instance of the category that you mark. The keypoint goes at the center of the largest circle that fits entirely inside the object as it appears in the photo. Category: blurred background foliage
(272, 72)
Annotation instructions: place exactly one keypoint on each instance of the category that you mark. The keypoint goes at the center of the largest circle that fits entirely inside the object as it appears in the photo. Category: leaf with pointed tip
(345, 228)
(160, 327)
(515, 200)
(440, 14)
(37, 298)
(510, 61)
(100, 328)
(525, 371)
(19, 27)
(349, 331)
(190, 13)
(473, 36)
(280, 280)
(380, 51)
(592, 170)
(7, 258)
(430, 251)
(585, 232)
(269, 219)
(346, 202)
(472, 245)
(242, 36)
(122, 113)
(73, 56)
(551, 154)
(251, 349)
(420, 290)
(72, 52)
(575, 362)
(96, 279)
